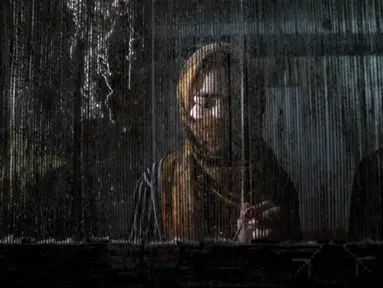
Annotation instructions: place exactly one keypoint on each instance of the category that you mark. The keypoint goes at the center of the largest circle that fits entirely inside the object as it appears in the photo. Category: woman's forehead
(214, 81)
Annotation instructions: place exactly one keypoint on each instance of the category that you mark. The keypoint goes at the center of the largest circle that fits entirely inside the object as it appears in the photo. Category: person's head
(210, 93)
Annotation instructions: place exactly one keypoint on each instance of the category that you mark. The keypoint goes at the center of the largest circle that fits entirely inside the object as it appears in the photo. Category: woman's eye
(209, 102)
(205, 102)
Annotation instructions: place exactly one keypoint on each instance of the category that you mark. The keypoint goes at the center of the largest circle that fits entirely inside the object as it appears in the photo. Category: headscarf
(204, 60)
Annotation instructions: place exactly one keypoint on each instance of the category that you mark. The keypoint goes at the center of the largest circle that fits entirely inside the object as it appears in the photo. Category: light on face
(199, 111)
(208, 100)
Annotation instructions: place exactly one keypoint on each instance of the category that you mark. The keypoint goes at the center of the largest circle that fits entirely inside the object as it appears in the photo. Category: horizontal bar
(293, 45)
(305, 24)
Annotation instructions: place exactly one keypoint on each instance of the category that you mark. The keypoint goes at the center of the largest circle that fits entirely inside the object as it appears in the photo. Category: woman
(226, 182)
(366, 209)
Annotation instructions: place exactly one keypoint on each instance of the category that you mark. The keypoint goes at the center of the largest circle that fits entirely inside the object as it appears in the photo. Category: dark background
(67, 171)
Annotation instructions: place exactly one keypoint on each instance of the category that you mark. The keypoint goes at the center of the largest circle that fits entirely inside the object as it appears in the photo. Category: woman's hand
(258, 222)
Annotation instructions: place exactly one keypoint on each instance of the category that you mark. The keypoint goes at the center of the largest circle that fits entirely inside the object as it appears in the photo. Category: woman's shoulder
(373, 161)
(267, 160)
(168, 166)
(368, 174)
(160, 170)
(272, 170)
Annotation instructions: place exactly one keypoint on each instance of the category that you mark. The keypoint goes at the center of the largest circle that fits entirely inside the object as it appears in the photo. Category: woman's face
(215, 110)
(211, 91)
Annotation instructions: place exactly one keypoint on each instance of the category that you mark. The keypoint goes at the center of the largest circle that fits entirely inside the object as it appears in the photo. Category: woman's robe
(151, 218)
